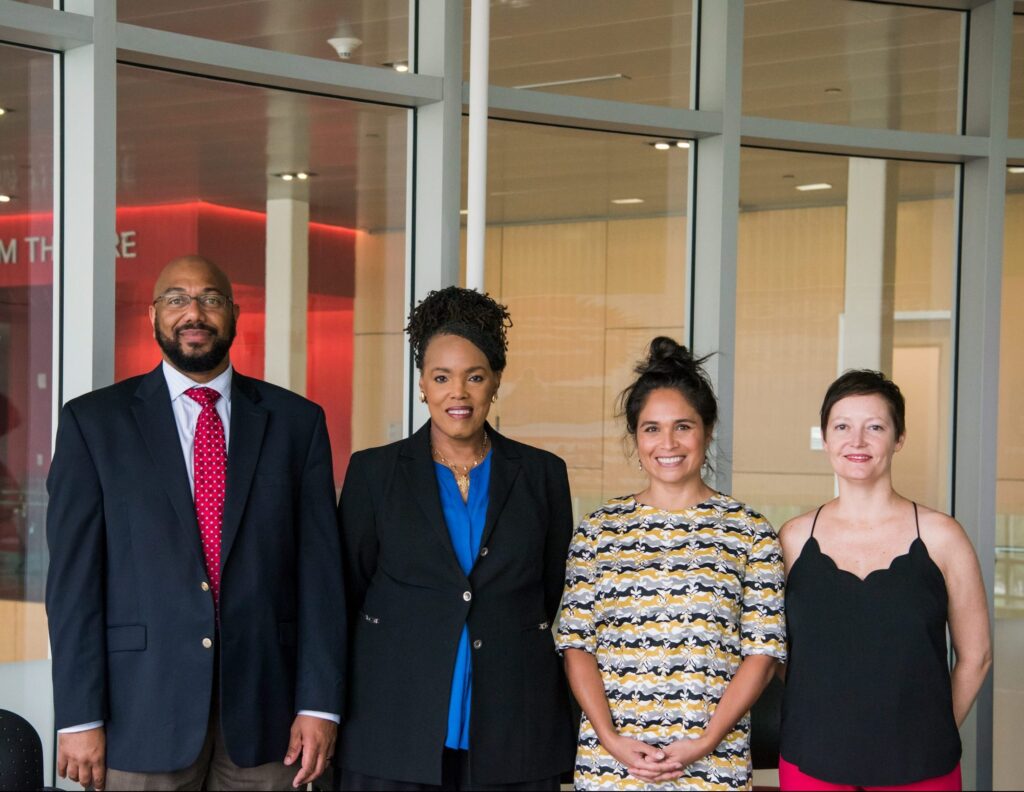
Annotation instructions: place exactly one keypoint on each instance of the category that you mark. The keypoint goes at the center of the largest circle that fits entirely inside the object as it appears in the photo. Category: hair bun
(665, 355)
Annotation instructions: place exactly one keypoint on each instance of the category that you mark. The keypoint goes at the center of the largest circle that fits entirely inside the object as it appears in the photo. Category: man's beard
(196, 363)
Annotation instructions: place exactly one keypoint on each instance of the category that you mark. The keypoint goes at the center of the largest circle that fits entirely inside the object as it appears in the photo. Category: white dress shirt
(186, 415)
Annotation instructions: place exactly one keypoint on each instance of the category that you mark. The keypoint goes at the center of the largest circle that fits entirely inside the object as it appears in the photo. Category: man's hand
(82, 757)
(313, 738)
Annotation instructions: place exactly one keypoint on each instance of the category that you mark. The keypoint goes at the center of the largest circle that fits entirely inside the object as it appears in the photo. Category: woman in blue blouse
(454, 543)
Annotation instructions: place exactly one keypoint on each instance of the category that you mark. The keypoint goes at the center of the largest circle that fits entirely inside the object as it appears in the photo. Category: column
(287, 292)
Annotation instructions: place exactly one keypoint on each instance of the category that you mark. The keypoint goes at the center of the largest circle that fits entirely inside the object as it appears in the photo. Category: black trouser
(455, 777)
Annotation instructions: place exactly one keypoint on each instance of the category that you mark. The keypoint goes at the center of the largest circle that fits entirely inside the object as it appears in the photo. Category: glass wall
(587, 244)
(855, 63)
(355, 31)
(858, 274)
(605, 49)
(1009, 578)
(27, 179)
(268, 184)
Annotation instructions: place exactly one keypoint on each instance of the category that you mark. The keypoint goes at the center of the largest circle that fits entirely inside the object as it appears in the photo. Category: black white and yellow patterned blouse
(670, 602)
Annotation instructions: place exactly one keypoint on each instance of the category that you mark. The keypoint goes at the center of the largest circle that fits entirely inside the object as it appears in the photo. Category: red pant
(790, 778)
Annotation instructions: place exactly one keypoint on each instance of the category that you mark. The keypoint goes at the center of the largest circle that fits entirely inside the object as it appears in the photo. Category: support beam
(476, 203)
(715, 217)
(287, 293)
(870, 266)
(86, 272)
(978, 328)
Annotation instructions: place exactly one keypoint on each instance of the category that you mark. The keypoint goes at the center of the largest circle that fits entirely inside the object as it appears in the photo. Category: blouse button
(467, 595)
(477, 643)
(484, 551)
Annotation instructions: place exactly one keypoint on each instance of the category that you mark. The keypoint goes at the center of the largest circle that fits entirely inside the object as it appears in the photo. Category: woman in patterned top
(672, 616)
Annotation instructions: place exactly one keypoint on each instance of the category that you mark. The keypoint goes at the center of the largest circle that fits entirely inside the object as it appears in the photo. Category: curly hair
(463, 312)
(670, 365)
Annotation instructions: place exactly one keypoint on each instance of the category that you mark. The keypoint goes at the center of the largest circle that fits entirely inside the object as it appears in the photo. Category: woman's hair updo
(670, 365)
(463, 312)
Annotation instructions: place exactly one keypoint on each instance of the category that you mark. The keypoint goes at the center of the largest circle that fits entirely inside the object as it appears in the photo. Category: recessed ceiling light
(1016, 169)
(3, 111)
(661, 145)
(815, 186)
(833, 90)
(287, 177)
(5, 199)
(627, 200)
(301, 176)
(401, 67)
(682, 144)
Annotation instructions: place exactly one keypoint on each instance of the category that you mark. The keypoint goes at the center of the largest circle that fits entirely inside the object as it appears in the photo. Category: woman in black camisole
(873, 581)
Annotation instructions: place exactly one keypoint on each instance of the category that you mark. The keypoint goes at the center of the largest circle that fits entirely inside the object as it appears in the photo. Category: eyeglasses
(208, 301)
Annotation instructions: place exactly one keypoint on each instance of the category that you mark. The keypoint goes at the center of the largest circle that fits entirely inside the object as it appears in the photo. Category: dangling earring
(639, 465)
(423, 398)
(494, 398)
(705, 469)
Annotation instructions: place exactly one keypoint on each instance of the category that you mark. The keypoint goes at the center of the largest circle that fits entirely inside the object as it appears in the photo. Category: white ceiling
(182, 138)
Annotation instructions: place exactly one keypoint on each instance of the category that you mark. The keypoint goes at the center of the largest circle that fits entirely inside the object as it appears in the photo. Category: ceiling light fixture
(286, 177)
(577, 81)
(661, 145)
(3, 111)
(463, 211)
(815, 186)
(1016, 169)
(300, 175)
(627, 200)
(401, 67)
(682, 144)
(5, 199)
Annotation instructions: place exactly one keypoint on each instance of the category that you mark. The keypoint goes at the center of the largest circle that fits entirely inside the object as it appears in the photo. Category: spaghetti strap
(823, 506)
(917, 524)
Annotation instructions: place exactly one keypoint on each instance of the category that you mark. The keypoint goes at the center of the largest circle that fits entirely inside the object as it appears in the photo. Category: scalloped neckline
(854, 575)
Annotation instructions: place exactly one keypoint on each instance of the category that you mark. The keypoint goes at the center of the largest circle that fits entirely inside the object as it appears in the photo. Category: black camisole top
(868, 699)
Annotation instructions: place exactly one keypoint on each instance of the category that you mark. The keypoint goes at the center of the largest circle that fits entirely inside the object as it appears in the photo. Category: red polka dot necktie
(210, 464)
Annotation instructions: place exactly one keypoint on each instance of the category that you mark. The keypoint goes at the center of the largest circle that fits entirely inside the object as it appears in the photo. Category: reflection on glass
(367, 33)
(586, 243)
(818, 292)
(1008, 763)
(200, 170)
(856, 63)
(26, 354)
(1017, 79)
(603, 49)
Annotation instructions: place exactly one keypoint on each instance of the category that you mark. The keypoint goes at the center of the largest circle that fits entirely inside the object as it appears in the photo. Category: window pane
(604, 49)
(200, 167)
(26, 345)
(856, 63)
(1009, 583)
(372, 32)
(588, 282)
(1017, 79)
(817, 294)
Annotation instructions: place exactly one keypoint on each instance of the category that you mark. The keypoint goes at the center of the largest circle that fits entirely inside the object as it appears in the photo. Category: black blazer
(408, 600)
(124, 597)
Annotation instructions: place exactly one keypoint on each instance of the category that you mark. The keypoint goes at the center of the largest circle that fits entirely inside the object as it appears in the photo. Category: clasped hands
(654, 763)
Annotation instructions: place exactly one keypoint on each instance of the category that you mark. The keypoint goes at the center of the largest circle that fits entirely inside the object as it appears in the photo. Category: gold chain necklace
(461, 472)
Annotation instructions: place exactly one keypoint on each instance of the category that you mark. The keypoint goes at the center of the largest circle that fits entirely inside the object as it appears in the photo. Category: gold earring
(423, 398)
(494, 398)
(639, 465)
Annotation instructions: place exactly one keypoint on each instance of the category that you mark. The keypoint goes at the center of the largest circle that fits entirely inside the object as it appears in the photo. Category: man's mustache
(195, 326)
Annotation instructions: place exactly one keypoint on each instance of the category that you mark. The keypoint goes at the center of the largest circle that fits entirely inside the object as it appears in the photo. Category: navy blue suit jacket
(127, 610)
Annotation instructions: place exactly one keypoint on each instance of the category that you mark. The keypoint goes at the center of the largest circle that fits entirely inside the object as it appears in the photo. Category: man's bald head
(192, 269)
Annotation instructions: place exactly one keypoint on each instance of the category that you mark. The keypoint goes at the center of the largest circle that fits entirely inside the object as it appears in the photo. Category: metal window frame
(91, 41)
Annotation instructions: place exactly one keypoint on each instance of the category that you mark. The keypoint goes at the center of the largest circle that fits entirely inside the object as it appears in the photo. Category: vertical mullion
(978, 328)
(715, 216)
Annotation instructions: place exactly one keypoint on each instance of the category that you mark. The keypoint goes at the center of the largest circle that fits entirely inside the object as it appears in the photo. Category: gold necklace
(461, 472)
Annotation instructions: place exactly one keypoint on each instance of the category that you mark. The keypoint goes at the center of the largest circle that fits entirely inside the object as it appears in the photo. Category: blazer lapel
(153, 413)
(248, 424)
(504, 469)
(421, 480)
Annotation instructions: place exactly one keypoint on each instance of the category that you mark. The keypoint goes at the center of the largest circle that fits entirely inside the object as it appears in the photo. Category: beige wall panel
(377, 389)
(916, 470)
(789, 295)
(647, 272)
(1010, 468)
(24, 635)
(924, 255)
(380, 282)
(585, 485)
(623, 349)
(552, 391)
(780, 496)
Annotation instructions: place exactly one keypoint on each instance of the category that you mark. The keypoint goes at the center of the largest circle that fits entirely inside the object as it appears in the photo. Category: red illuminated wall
(149, 237)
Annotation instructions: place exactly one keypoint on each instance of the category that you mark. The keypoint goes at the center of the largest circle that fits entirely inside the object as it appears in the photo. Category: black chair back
(21, 753)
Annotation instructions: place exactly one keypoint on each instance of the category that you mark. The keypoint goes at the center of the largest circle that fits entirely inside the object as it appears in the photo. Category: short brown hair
(865, 382)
